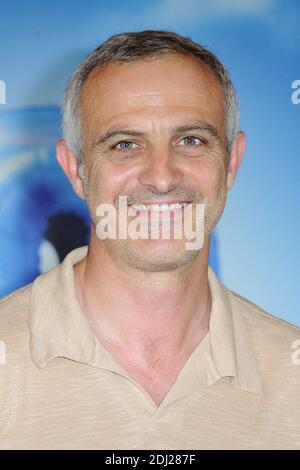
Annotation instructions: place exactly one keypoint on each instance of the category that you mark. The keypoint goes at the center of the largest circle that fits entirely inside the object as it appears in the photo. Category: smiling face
(155, 131)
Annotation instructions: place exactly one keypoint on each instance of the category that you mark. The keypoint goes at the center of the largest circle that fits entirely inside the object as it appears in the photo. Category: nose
(160, 173)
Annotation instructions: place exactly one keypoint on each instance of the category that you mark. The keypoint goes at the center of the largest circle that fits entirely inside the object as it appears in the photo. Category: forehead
(163, 88)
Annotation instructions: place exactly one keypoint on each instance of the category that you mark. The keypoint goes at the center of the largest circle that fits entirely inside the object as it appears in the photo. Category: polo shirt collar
(58, 328)
(231, 356)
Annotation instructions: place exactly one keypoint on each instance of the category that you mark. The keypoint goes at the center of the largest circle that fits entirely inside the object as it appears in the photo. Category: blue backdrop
(255, 246)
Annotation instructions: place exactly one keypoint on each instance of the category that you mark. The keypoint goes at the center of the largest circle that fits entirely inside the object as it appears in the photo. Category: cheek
(210, 176)
(108, 179)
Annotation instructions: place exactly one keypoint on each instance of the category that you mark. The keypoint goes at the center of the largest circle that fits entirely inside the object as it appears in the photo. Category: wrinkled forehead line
(100, 72)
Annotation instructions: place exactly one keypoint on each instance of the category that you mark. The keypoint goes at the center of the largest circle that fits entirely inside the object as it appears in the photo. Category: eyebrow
(196, 125)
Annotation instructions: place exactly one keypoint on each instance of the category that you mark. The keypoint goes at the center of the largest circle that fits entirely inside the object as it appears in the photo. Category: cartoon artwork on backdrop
(41, 219)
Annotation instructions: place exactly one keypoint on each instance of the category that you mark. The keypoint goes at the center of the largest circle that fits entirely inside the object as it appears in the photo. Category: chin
(159, 256)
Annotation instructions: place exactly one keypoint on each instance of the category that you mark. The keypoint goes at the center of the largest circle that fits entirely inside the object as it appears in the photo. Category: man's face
(170, 147)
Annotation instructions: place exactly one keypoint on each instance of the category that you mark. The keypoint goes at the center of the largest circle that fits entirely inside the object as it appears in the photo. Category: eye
(192, 141)
(191, 146)
(124, 145)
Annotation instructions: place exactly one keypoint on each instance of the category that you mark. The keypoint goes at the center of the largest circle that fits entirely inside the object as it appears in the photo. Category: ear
(236, 157)
(70, 166)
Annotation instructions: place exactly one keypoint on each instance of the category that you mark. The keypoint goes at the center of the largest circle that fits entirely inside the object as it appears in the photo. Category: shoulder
(275, 341)
(14, 332)
(259, 319)
(14, 306)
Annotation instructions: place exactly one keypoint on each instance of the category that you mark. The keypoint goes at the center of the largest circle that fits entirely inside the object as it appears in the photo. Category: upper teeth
(158, 207)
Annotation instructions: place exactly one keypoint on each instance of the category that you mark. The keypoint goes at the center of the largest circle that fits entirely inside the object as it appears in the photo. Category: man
(133, 342)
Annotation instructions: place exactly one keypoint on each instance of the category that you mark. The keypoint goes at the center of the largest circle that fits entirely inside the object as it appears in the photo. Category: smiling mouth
(159, 207)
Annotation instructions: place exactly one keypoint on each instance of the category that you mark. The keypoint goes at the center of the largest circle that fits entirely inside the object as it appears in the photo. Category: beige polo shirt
(61, 389)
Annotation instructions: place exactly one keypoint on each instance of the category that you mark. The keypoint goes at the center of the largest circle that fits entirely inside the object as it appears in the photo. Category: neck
(161, 314)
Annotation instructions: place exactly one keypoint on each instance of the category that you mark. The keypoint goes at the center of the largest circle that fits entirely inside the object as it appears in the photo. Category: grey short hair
(138, 46)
